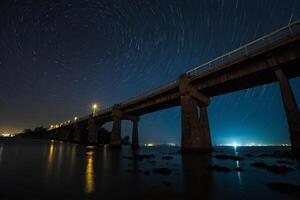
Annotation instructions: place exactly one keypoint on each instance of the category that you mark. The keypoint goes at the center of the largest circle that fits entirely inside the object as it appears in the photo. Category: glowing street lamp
(95, 107)
(75, 118)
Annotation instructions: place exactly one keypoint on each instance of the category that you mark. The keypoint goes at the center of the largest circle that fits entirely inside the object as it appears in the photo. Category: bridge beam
(187, 89)
(135, 134)
(195, 133)
(93, 131)
(291, 110)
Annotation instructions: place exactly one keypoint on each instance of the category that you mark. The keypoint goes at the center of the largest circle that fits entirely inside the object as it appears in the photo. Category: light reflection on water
(51, 154)
(73, 159)
(89, 172)
(86, 172)
(50, 159)
(238, 165)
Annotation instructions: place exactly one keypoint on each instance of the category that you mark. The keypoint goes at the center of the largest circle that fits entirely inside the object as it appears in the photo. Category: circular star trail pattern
(59, 57)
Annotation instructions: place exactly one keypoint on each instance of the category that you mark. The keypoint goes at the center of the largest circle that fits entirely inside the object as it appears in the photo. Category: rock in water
(162, 171)
(287, 188)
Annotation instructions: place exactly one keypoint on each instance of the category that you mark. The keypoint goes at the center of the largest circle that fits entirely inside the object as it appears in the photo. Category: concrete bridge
(272, 58)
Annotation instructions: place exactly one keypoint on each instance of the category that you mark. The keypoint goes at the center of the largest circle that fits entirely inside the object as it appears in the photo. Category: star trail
(57, 58)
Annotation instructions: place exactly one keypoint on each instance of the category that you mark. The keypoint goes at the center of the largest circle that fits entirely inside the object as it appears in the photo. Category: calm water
(40, 169)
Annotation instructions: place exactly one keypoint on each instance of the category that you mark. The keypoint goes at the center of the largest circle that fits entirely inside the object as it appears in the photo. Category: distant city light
(150, 145)
(6, 135)
(235, 145)
(254, 145)
(172, 144)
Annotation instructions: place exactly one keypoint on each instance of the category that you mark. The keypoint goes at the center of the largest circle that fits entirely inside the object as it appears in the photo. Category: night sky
(59, 57)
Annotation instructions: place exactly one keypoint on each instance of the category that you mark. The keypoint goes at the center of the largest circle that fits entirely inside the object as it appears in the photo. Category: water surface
(41, 169)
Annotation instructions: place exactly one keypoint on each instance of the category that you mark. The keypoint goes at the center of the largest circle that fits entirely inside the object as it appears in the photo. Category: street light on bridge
(95, 107)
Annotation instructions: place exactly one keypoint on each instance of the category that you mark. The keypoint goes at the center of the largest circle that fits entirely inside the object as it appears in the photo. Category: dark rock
(228, 157)
(279, 169)
(219, 168)
(133, 171)
(167, 183)
(272, 168)
(259, 165)
(162, 171)
(152, 161)
(285, 162)
(278, 154)
(147, 172)
(140, 157)
(287, 188)
(171, 153)
(167, 157)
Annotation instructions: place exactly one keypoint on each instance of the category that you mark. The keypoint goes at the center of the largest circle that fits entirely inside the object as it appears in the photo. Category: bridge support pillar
(291, 110)
(93, 131)
(135, 134)
(66, 133)
(57, 133)
(61, 133)
(195, 135)
(116, 133)
(116, 129)
(76, 134)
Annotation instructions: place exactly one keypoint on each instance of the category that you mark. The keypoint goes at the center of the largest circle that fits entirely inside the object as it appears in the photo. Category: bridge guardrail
(149, 92)
(244, 50)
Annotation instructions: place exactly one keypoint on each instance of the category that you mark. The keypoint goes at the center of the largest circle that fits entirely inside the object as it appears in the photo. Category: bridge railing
(105, 110)
(79, 119)
(244, 50)
(100, 112)
(150, 92)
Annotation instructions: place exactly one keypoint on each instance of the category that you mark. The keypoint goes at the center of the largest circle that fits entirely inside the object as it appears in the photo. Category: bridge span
(272, 58)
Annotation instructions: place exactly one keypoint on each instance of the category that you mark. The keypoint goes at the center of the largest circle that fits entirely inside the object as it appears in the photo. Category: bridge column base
(135, 134)
(195, 135)
(93, 131)
(291, 111)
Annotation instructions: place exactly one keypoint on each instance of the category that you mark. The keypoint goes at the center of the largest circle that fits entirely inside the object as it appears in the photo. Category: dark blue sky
(58, 57)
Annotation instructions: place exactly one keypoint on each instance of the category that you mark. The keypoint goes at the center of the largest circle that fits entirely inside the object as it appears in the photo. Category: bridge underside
(265, 76)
